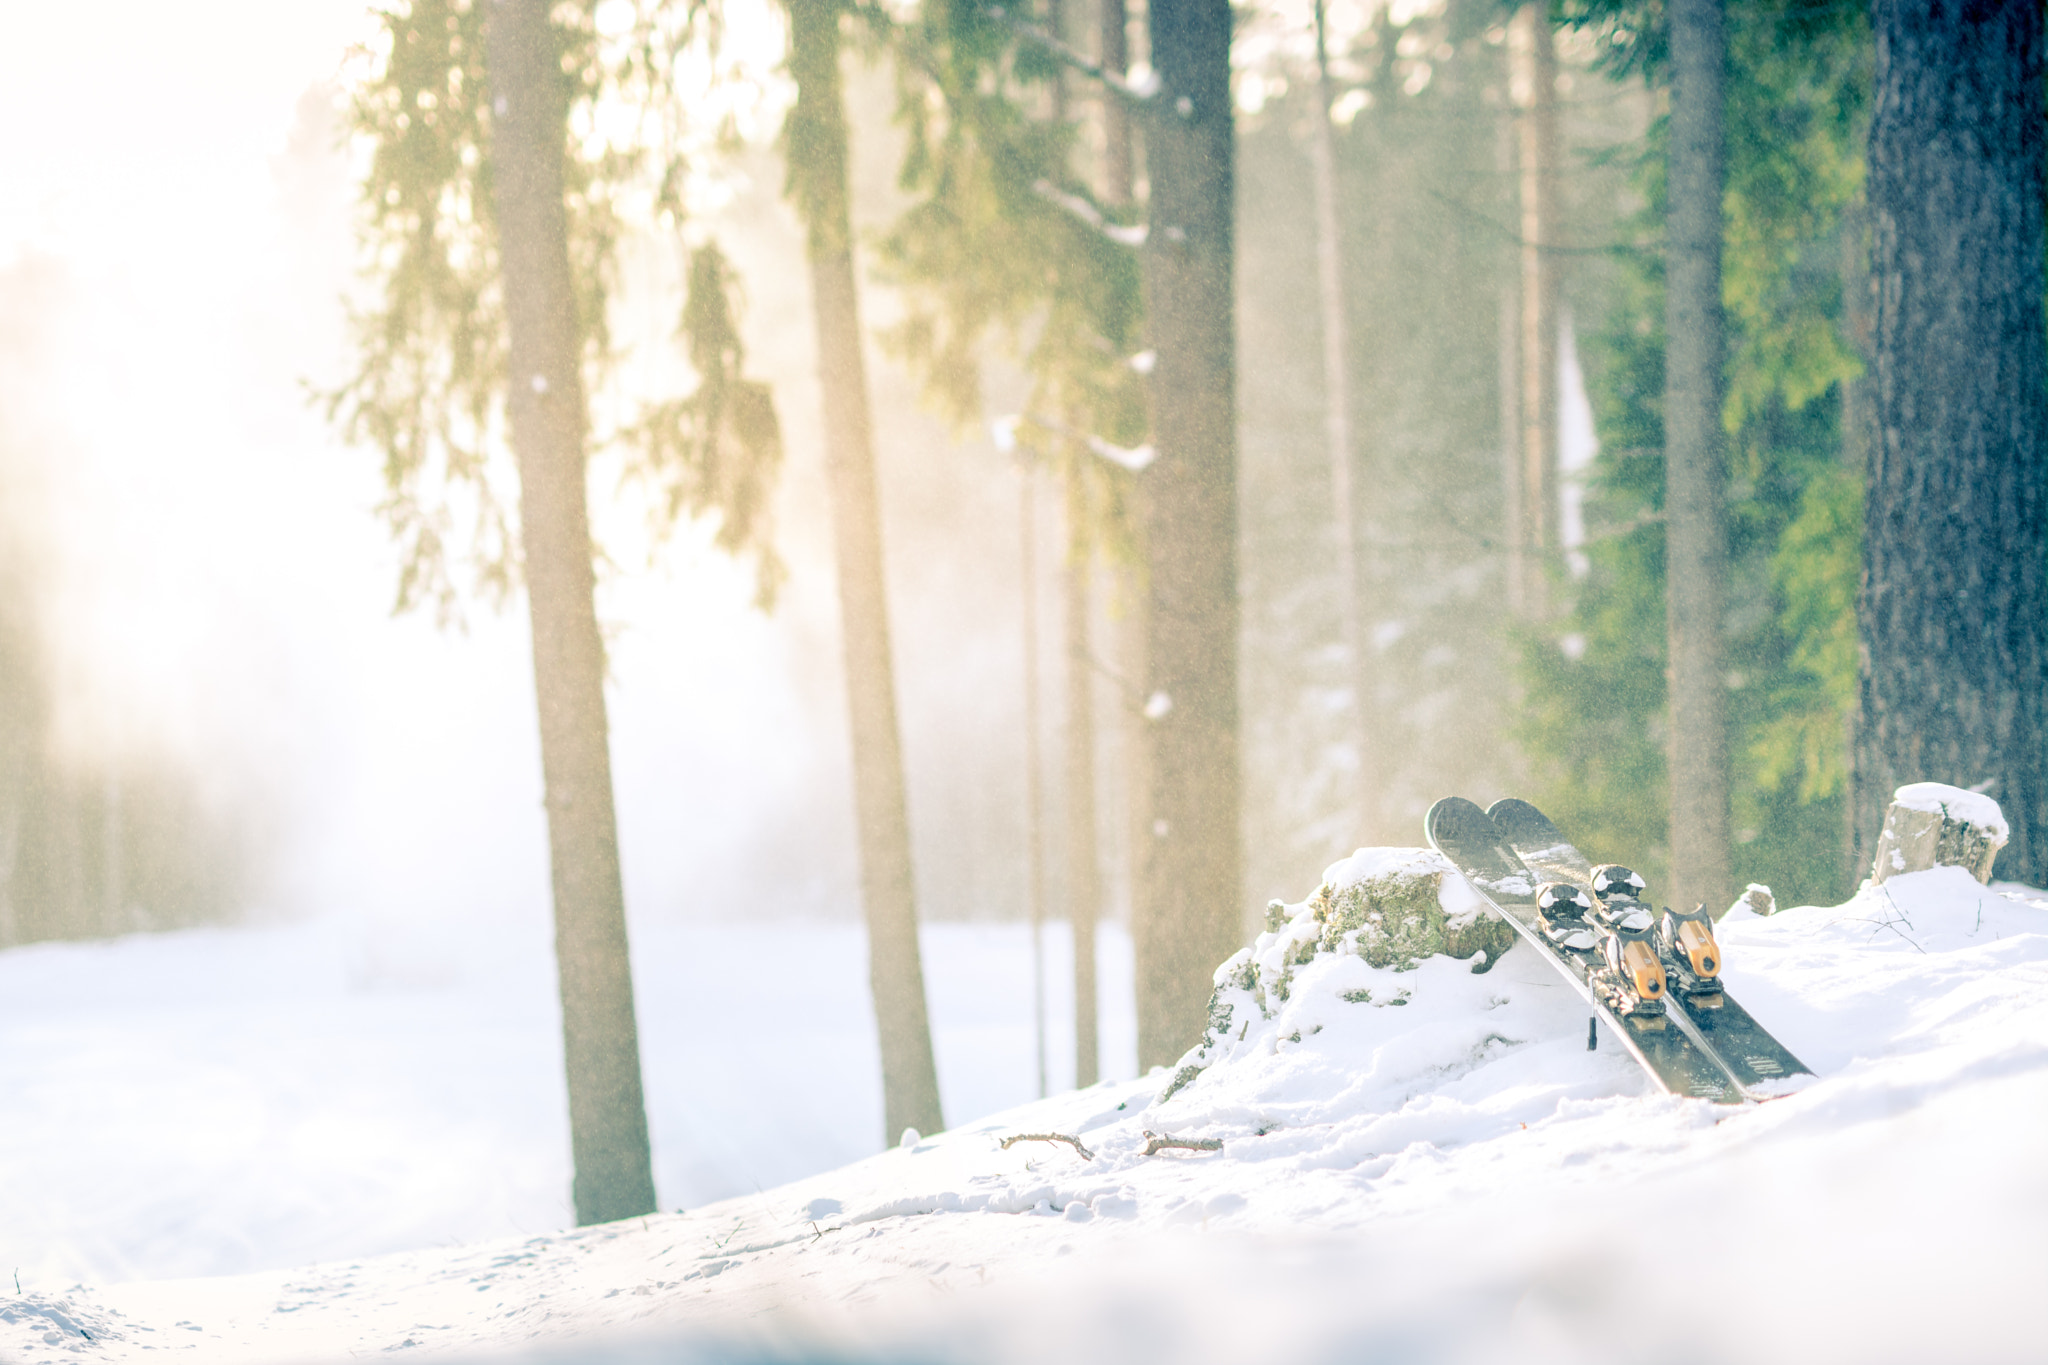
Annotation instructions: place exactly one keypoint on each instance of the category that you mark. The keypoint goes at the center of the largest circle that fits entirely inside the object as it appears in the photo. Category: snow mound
(59, 1324)
(1383, 932)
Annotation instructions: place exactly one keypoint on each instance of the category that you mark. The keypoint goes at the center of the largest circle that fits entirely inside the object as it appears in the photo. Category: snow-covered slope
(1452, 1178)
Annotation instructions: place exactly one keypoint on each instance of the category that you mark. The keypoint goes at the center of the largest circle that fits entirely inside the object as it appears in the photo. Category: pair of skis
(1653, 979)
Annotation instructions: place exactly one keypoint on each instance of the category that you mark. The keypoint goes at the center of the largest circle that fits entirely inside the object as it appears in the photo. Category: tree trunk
(13, 776)
(1515, 506)
(1128, 584)
(607, 1113)
(1695, 455)
(1084, 887)
(818, 183)
(1535, 87)
(1858, 434)
(1189, 917)
(1112, 29)
(1951, 613)
(1337, 439)
(1034, 779)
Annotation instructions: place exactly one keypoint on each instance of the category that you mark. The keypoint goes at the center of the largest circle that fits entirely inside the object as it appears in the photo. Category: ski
(1565, 924)
(1684, 942)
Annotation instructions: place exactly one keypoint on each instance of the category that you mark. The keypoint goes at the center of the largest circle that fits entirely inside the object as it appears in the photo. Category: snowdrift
(1414, 1160)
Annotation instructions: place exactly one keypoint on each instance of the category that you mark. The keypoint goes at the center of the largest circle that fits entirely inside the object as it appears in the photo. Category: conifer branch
(1133, 235)
(1140, 97)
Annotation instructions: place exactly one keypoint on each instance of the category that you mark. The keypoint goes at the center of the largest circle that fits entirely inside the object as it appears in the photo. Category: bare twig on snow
(1159, 1142)
(1073, 1142)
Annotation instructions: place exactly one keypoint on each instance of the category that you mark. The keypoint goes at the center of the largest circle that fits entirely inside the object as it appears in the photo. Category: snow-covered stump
(1931, 824)
(1391, 907)
(1390, 903)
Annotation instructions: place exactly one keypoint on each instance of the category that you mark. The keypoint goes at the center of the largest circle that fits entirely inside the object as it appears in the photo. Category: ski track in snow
(1454, 1179)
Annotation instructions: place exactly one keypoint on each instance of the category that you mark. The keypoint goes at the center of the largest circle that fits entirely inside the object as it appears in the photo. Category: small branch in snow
(1086, 212)
(1888, 922)
(1133, 94)
(1877, 924)
(1073, 1142)
(1159, 1142)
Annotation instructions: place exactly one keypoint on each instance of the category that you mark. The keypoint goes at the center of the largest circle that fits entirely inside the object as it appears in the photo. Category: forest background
(1562, 705)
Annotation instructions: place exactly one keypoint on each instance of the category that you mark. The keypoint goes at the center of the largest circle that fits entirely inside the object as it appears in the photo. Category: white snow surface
(1368, 863)
(1452, 1179)
(1957, 803)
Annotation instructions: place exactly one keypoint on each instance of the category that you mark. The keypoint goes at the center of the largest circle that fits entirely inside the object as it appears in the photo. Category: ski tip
(1522, 822)
(1453, 813)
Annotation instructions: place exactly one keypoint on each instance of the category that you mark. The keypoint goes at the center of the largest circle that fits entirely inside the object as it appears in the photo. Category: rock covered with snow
(1931, 824)
(1756, 899)
(1377, 915)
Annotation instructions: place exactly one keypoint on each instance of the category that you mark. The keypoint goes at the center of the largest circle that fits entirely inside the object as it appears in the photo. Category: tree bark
(1950, 613)
(1695, 455)
(545, 401)
(818, 182)
(1189, 918)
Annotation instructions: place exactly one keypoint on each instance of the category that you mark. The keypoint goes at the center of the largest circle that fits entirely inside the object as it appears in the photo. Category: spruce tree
(529, 129)
(489, 234)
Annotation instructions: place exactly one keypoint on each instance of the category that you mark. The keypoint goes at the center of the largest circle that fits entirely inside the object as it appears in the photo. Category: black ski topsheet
(1749, 1053)
(1461, 831)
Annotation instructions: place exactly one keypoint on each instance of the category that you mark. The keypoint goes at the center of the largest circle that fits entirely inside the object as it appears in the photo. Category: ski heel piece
(1686, 942)
(1633, 977)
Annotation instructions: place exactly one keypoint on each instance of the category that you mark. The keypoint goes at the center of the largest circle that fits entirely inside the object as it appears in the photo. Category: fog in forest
(198, 576)
(201, 590)
(214, 717)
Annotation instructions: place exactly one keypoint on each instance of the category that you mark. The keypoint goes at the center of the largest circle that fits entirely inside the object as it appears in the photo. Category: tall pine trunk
(600, 1043)
(1695, 456)
(1188, 917)
(818, 183)
(1084, 884)
(1951, 613)
(1127, 589)
(1535, 80)
(1322, 159)
(1034, 772)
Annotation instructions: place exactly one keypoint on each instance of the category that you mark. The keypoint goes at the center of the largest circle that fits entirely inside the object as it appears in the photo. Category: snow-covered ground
(218, 1101)
(1454, 1179)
